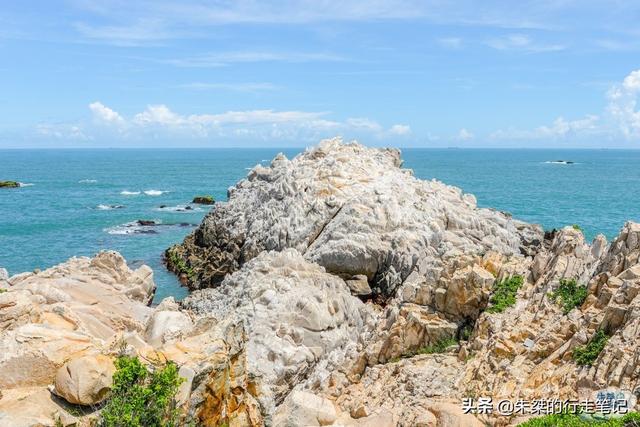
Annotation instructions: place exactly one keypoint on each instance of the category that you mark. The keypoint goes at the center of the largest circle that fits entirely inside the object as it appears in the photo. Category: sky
(250, 73)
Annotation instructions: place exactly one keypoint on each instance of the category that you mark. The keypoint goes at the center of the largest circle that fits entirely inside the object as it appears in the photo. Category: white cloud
(61, 131)
(619, 121)
(560, 128)
(105, 114)
(400, 130)
(521, 43)
(623, 103)
(160, 122)
(464, 135)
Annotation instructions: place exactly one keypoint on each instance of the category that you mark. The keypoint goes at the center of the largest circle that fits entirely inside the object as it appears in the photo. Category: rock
(361, 411)
(9, 184)
(146, 222)
(359, 285)
(60, 316)
(307, 409)
(203, 200)
(282, 319)
(167, 322)
(85, 381)
(4, 279)
(351, 209)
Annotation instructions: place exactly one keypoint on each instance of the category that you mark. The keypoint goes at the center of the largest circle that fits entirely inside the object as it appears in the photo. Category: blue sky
(111, 73)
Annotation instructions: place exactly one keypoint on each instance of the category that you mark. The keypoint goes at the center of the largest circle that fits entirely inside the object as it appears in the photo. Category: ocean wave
(26, 184)
(560, 162)
(178, 208)
(108, 207)
(87, 181)
(129, 193)
(144, 227)
(154, 192)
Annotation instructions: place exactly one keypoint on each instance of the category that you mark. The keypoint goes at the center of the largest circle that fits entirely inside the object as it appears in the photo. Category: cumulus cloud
(160, 122)
(105, 114)
(619, 120)
(622, 107)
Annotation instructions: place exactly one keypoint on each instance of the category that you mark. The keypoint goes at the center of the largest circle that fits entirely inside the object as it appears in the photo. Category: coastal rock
(351, 209)
(67, 314)
(85, 380)
(4, 279)
(281, 318)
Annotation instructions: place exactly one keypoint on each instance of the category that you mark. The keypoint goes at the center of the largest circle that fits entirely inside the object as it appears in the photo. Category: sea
(78, 202)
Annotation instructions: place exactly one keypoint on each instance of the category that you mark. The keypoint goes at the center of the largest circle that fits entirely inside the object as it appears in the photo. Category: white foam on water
(154, 192)
(108, 207)
(87, 181)
(129, 193)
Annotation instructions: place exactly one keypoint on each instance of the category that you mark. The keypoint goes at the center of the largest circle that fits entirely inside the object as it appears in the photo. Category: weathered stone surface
(85, 380)
(287, 318)
(351, 209)
(66, 315)
(302, 408)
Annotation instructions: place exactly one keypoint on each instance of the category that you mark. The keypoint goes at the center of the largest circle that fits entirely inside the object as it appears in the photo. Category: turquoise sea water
(58, 216)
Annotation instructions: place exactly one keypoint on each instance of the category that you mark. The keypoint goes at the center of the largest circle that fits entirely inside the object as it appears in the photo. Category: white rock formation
(291, 319)
(353, 210)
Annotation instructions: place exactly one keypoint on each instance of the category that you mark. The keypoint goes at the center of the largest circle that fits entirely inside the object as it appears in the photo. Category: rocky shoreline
(335, 289)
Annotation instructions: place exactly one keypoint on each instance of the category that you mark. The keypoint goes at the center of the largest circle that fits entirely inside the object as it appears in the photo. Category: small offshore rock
(203, 200)
(9, 184)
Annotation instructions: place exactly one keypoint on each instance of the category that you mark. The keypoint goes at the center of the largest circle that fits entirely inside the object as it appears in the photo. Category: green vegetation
(142, 398)
(631, 419)
(504, 294)
(178, 263)
(9, 184)
(204, 200)
(576, 227)
(2, 290)
(569, 294)
(585, 355)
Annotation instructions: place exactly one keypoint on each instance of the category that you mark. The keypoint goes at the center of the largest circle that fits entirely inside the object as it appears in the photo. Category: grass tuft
(586, 354)
(504, 294)
(569, 294)
(631, 419)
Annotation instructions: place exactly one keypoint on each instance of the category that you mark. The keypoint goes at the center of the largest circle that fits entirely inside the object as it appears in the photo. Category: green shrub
(631, 419)
(569, 294)
(142, 398)
(178, 263)
(585, 355)
(576, 227)
(504, 294)
(2, 290)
